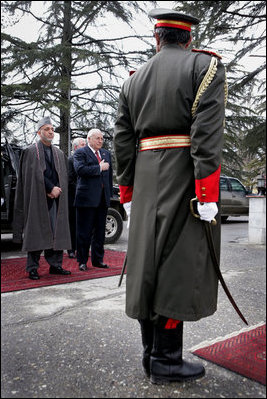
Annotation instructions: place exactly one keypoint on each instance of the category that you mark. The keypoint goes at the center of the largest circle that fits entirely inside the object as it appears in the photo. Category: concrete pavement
(75, 341)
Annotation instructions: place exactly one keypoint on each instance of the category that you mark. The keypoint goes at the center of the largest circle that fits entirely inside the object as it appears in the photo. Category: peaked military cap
(173, 19)
(44, 121)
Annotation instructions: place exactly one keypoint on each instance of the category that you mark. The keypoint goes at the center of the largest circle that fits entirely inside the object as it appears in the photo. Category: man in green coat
(41, 203)
(168, 144)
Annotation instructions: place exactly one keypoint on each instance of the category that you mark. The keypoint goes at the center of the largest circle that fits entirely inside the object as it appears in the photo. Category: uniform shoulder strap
(195, 50)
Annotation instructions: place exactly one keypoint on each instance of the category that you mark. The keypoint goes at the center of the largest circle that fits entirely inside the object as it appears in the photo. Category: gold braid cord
(205, 83)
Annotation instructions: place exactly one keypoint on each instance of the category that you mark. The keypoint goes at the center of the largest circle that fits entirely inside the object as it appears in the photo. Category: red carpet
(15, 278)
(243, 353)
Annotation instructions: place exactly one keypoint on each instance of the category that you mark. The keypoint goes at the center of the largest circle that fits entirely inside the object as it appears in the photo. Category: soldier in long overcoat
(41, 203)
(168, 143)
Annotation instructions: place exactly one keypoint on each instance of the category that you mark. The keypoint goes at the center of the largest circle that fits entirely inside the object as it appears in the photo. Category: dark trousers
(91, 226)
(53, 258)
(72, 221)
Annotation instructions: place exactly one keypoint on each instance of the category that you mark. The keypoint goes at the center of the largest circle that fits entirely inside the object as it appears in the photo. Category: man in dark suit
(79, 142)
(94, 189)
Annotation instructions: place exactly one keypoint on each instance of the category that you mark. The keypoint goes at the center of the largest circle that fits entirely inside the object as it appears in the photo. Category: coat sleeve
(208, 114)
(125, 149)
(82, 166)
(110, 176)
(18, 216)
(72, 176)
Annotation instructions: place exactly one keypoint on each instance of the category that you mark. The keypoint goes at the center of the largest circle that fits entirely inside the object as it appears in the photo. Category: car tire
(114, 226)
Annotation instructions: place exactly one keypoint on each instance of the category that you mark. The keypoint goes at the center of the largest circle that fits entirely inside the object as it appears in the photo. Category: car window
(236, 185)
(223, 184)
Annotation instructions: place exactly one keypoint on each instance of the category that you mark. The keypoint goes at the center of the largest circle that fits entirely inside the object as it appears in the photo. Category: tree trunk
(65, 135)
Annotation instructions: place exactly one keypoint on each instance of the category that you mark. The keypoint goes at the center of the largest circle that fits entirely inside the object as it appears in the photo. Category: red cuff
(126, 193)
(207, 189)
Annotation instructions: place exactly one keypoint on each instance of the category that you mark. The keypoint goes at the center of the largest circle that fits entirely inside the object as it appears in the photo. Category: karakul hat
(44, 121)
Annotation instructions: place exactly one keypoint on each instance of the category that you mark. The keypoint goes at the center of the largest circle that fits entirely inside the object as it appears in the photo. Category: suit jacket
(50, 174)
(90, 181)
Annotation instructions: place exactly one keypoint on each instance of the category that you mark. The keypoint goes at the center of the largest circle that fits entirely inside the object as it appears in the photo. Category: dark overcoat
(169, 269)
(72, 181)
(31, 220)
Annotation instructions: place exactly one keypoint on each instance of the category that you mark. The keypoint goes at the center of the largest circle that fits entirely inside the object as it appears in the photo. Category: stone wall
(257, 220)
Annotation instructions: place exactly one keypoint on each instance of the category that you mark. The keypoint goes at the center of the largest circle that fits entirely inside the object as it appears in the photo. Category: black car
(10, 155)
(115, 218)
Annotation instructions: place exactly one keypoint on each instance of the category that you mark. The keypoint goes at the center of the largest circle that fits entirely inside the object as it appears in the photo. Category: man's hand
(104, 165)
(207, 210)
(55, 192)
(127, 206)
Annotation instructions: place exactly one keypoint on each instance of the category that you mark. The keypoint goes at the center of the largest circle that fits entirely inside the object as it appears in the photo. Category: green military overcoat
(169, 268)
(31, 222)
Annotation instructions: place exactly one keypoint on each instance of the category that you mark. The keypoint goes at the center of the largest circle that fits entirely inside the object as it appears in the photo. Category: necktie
(98, 157)
(99, 160)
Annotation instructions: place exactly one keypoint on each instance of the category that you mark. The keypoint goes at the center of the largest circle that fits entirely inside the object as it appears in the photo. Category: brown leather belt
(164, 142)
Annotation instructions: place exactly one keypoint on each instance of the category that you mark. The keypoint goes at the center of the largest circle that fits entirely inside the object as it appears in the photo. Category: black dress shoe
(101, 264)
(58, 270)
(72, 255)
(83, 267)
(33, 275)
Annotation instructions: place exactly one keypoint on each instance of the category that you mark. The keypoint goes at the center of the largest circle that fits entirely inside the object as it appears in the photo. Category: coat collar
(39, 146)
(90, 152)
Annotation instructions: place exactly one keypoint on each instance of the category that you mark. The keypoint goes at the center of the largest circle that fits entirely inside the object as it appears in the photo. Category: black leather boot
(166, 363)
(147, 341)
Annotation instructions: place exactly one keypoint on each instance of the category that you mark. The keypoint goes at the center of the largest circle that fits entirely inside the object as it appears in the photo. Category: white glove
(127, 207)
(207, 211)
